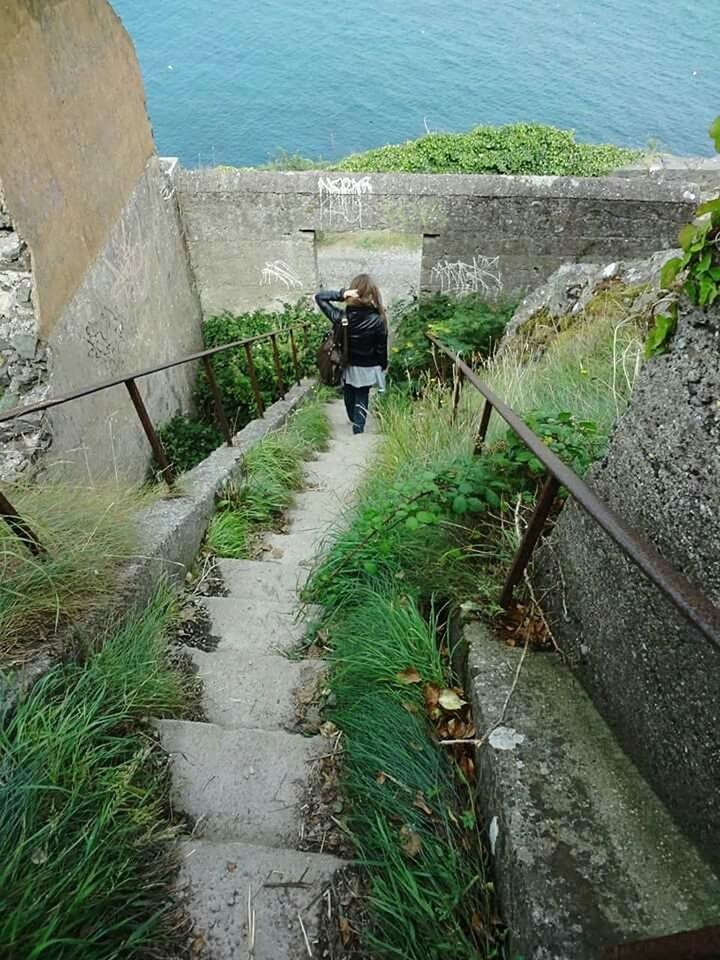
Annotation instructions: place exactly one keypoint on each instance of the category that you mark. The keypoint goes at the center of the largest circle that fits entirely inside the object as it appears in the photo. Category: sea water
(235, 81)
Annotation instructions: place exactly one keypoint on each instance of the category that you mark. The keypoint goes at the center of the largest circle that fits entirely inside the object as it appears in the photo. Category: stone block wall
(251, 233)
(655, 679)
(24, 361)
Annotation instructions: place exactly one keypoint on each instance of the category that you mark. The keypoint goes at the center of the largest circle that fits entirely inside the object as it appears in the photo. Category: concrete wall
(101, 247)
(482, 233)
(656, 680)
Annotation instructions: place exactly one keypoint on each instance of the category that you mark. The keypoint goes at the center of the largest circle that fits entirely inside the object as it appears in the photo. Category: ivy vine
(697, 272)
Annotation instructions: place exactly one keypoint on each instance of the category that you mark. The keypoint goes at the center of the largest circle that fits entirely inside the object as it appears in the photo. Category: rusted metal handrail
(691, 602)
(20, 527)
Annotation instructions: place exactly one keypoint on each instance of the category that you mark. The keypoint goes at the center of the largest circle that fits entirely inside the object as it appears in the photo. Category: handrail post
(484, 423)
(293, 348)
(20, 528)
(532, 535)
(253, 380)
(458, 380)
(278, 366)
(150, 432)
(217, 400)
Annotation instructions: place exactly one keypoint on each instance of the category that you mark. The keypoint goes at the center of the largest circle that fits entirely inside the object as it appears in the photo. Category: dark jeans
(356, 404)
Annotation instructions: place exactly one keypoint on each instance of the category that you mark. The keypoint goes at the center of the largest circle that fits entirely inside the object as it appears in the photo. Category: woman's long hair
(369, 294)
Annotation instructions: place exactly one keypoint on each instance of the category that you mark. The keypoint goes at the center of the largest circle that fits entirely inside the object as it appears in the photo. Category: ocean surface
(235, 81)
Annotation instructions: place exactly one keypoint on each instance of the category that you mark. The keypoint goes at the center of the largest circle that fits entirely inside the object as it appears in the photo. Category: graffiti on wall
(277, 271)
(341, 199)
(458, 277)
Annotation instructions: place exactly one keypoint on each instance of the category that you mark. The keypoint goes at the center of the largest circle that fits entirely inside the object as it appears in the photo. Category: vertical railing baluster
(20, 528)
(293, 348)
(217, 400)
(458, 380)
(484, 422)
(253, 380)
(532, 535)
(278, 366)
(150, 432)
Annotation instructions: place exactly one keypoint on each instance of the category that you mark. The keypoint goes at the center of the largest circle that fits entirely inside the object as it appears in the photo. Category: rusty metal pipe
(254, 380)
(278, 366)
(150, 432)
(22, 530)
(530, 538)
(217, 400)
(687, 599)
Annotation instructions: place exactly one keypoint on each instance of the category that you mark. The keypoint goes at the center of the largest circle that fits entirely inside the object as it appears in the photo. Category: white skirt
(365, 377)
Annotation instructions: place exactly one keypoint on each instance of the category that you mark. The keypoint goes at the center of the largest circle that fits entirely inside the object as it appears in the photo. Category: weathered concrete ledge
(584, 852)
(171, 532)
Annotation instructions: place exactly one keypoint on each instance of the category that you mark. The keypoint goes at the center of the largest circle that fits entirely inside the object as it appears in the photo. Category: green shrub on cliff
(518, 148)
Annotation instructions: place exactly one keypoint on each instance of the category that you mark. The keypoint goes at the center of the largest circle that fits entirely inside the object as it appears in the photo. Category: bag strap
(345, 350)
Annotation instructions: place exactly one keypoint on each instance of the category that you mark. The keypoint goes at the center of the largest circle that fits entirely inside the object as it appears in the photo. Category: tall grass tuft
(88, 533)
(272, 472)
(84, 870)
(411, 815)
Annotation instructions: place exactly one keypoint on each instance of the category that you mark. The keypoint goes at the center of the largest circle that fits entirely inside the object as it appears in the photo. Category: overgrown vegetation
(272, 472)
(88, 534)
(469, 325)
(84, 865)
(188, 439)
(520, 148)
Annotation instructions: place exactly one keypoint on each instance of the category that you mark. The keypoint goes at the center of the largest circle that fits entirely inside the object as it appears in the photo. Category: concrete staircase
(241, 777)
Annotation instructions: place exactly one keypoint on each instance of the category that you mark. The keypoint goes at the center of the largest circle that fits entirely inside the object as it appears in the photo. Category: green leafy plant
(469, 325)
(698, 270)
(662, 331)
(188, 441)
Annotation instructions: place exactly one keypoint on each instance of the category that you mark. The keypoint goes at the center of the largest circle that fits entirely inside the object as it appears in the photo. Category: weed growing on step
(272, 472)
(88, 534)
(84, 864)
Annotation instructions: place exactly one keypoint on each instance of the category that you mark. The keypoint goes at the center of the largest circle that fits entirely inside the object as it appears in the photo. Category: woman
(367, 342)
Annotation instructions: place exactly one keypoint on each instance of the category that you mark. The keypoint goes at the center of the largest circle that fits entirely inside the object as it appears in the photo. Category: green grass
(402, 788)
(520, 148)
(589, 368)
(88, 533)
(84, 868)
(272, 472)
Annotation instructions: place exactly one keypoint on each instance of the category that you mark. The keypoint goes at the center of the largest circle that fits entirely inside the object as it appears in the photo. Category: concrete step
(246, 627)
(252, 692)
(245, 784)
(262, 582)
(585, 853)
(293, 549)
(216, 878)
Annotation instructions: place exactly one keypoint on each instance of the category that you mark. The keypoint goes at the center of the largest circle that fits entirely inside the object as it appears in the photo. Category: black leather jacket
(367, 336)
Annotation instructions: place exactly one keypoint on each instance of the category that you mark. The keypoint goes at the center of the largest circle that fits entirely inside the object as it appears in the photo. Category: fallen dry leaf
(329, 729)
(345, 931)
(477, 921)
(421, 803)
(449, 700)
(432, 695)
(230, 867)
(380, 778)
(409, 676)
(198, 945)
(413, 843)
